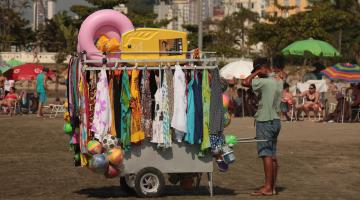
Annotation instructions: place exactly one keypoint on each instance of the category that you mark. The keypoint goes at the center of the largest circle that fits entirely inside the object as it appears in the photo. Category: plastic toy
(101, 42)
(115, 156)
(109, 23)
(67, 128)
(161, 42)
(230, 140)
(226, 101)
(98, 163)
(112, 172)
(94, 147)
(109, 142)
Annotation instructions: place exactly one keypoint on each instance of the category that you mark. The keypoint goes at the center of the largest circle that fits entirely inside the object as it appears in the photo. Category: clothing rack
(146, 68)
(160, 62)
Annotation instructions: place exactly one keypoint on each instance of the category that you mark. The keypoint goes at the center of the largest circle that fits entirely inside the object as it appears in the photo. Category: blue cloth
(40, 83)
(198, 133)
(190, 115)
(42, 97)
(267, 130)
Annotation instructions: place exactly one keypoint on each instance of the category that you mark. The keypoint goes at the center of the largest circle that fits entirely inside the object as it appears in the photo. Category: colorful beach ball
(112, 172)
(115, 156)
(67, 128)
(109, 142)
(94, 147)
(226, 100)
(98, 163)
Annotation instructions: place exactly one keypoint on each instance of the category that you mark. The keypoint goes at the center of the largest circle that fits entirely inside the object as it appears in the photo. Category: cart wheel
(125, 187)
(149, 182)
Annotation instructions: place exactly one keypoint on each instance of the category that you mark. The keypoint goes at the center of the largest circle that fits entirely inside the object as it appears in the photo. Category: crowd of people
(298, 105)
(12, 102)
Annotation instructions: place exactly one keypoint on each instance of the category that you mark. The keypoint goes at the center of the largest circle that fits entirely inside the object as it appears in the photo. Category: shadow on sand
(116, 192)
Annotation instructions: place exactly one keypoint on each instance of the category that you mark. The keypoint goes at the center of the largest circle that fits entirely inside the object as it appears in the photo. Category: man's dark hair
(313, 85)
(46, 69)
(279, 62)
(259, 62)
(286, 85)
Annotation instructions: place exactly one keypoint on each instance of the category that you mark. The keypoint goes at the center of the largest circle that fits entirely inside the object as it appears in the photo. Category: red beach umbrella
(26, 71)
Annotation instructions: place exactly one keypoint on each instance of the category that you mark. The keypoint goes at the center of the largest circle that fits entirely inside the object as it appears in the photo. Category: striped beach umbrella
(343, 71)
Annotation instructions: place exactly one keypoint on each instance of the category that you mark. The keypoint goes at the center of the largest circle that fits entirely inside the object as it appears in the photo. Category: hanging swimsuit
(157, 136)
(206, 110)
(190, 116)
(137, 134)
(146, 102)
(125, 112)
(310, 97)
(165, 112)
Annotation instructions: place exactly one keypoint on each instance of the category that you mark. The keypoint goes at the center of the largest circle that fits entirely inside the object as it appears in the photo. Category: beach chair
(55, 109)
(319, 113)
(356, 111)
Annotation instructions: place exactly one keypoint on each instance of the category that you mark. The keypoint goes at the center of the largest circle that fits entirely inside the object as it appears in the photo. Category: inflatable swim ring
(109, 23)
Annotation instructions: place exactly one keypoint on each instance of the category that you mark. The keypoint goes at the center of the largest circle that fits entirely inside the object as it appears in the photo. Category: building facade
(295, 6)
(42, 10)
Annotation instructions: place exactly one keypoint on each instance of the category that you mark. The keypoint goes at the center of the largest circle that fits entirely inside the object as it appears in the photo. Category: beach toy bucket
(229, 157)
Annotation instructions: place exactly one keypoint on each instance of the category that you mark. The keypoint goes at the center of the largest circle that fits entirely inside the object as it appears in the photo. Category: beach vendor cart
(142, 107)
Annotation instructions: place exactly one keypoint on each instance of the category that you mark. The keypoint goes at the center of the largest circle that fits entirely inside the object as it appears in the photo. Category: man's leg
(39, 112)
(269, 175)
(275, 172)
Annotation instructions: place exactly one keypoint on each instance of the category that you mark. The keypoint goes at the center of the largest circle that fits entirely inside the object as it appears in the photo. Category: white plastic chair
(56, 109)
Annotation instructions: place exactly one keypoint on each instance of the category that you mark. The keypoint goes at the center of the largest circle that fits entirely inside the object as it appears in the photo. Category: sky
(60, 5)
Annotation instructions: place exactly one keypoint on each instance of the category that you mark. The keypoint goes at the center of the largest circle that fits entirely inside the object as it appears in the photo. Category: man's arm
(247, 81)
(45, 78)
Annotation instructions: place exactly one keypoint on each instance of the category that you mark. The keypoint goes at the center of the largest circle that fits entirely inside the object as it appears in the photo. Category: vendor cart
(145, 165)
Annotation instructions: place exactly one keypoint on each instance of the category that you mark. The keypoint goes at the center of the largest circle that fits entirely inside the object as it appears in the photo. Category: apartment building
(295, 6)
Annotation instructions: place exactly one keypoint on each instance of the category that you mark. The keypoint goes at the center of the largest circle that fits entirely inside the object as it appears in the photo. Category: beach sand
(317, 161)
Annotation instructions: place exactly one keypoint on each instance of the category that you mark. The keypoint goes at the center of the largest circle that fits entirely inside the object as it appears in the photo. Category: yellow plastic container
(153, 44)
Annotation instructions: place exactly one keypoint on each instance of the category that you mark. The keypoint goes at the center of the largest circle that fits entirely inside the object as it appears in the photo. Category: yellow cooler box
(154, 44)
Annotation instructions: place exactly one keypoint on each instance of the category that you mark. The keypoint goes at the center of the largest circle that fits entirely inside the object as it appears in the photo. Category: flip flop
(260, 193)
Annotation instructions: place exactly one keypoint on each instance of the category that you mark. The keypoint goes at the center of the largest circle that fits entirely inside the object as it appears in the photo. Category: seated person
(10, 98)
(336, 115)
(287, 101)
(311, 102)
(354, 93)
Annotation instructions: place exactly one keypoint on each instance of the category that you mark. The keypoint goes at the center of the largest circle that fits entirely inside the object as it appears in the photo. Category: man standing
(41, 88)
(263, 81)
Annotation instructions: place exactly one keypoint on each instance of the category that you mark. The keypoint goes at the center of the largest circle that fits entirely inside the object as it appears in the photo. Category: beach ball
(67, 128)
(109, 142)
(115, 156)
(226, 100)
(94, 147)
(230, 140)
(99, 163)
(112, 172)
(227, 118)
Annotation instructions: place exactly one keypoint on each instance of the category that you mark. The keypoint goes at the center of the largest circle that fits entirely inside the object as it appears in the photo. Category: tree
(324, 21)
(231, 37)
(14, 30)
(84, 11)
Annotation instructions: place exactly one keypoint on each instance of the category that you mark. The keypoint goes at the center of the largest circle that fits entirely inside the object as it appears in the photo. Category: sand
(317, 161)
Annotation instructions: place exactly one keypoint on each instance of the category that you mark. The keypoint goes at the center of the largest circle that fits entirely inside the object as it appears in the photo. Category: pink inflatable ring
(103, 22)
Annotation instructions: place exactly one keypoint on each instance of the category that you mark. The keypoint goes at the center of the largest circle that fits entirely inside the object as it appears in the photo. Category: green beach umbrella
(4, 68)
(315, 47)
(13, 63)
